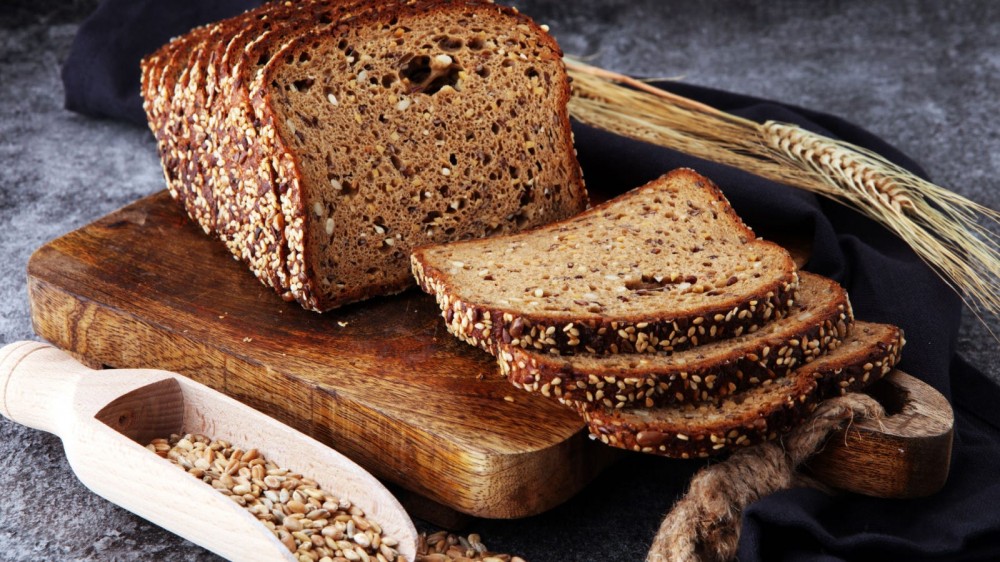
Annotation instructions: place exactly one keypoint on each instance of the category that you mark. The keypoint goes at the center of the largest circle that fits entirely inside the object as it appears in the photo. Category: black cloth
(101, 73)
(887, 282)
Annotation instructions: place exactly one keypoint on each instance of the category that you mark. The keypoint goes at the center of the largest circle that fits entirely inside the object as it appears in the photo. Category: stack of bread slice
(661, 318)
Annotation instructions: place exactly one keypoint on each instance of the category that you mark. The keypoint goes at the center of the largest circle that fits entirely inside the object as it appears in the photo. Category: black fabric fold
(887, 282)
(101, 74)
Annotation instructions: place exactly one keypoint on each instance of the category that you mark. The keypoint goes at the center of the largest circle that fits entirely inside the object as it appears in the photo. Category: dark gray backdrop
(923, 75)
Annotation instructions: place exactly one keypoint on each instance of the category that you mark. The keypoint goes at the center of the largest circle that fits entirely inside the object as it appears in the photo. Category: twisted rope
(704, 525)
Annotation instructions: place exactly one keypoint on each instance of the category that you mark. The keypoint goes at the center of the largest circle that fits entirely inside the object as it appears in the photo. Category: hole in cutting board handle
(146, 413)
(893, 398)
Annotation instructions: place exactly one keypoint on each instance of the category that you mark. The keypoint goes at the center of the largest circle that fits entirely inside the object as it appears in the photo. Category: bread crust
(694, 376)
(786, 403)
(166, 69)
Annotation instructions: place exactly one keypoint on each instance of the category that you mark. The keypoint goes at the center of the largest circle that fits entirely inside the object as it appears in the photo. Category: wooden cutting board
(382, 381)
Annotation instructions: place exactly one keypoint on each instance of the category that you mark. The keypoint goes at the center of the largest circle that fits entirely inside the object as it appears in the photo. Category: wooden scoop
(105, 419)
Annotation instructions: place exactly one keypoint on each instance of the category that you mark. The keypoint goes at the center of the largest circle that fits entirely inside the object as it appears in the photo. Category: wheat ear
(956, 236)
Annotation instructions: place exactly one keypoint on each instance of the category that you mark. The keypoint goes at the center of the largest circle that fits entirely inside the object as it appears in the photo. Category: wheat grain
(310, 522)
(443, 546)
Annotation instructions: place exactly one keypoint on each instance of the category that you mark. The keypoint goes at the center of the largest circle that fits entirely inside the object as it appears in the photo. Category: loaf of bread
(757, 414)
(664, 267)
(816, 324)
(322, 139)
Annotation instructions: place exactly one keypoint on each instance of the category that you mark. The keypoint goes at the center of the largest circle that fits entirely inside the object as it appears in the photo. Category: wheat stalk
(956, 236)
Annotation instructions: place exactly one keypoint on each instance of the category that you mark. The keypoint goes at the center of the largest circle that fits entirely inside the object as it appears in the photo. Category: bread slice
(816, 324)
(264, 201)
(203, 160)
(664, 267)
(345, 133)
(250, 220)
(755, 415)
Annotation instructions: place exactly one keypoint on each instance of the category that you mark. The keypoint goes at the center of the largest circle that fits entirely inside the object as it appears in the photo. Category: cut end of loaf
(321, 141)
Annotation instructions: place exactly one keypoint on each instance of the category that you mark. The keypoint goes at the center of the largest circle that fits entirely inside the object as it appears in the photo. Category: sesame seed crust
(817, 323)
(163, 102)
(759, 414)
(195, 157)
(874, 349)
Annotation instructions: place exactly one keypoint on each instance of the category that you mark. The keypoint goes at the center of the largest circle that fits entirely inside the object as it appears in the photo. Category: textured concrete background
(923, 75)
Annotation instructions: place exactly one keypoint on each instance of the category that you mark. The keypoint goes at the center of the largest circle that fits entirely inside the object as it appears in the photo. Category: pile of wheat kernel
(443, 546)
(315, 525)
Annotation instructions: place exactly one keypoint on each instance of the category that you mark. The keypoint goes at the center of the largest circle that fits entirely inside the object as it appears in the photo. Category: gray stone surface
(923, 75)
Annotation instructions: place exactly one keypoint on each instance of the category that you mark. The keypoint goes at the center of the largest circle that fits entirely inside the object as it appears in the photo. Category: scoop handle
(37, 384)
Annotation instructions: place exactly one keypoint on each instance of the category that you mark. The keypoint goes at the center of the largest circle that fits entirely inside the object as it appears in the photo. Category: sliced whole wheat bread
(816, 324)
(458, 107)
(755, 415)
(664, 267)
(210, 132)
(277, 206)
(297, 148)
(251, 220)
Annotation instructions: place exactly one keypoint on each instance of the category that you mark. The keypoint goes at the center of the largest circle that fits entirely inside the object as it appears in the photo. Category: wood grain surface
(905, 454)
(382, 382)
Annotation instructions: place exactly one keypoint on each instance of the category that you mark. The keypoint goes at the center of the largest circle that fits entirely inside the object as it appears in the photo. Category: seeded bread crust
(815, 325)
(875, 350)
(760, 414)
(160, 108)
(158, 75)
(187, 134)
(570, 330)
(196, 146)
